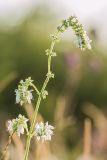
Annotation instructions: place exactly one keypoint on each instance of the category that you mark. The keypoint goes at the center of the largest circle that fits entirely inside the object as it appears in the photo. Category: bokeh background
(77, 100)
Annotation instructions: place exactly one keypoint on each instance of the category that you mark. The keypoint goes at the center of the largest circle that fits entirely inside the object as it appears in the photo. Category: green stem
(38, 103)
(31, 129)
(49, 63)
(35, 88)
(27, 147)
(49, 58)
(45, 84)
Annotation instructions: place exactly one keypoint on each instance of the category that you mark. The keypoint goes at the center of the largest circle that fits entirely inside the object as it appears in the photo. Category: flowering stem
(6, 147)
(83, 42)
(38, 104)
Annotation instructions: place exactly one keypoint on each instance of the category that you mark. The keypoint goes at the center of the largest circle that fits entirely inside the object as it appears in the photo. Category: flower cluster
(55, 37)
(50, 53)
(82, 40)
(23, 95)
(18, 125)
(50, 75)
(43, 131)
(44, 94)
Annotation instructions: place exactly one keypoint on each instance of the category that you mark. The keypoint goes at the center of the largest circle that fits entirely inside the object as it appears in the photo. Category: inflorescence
(82, 40)
(18, 125)
(43, 131)
(24, 94)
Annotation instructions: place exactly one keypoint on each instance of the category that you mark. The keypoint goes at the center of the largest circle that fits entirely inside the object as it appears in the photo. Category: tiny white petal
(17, 96)
(10, 126)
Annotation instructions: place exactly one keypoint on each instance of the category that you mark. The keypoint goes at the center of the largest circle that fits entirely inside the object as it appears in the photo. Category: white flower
(20, 130)
(29, 96)
(18, 125)
(23, 96)
(43, 131)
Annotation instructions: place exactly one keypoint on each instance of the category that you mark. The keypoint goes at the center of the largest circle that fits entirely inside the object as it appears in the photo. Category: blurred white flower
(17, 125)
(43, 131)
(11, 125)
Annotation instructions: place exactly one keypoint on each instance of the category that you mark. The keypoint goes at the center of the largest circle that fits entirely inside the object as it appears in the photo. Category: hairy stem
(6, 147)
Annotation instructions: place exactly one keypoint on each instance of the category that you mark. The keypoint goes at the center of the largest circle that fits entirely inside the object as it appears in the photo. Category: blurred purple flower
(72, 60)
(95, 65)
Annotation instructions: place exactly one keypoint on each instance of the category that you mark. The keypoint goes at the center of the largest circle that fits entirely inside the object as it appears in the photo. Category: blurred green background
(79, 90)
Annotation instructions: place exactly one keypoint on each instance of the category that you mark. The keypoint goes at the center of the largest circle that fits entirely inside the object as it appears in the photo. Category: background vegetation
(78, 92)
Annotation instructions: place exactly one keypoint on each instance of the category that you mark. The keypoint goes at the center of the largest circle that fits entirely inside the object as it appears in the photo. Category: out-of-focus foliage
(23, 52)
